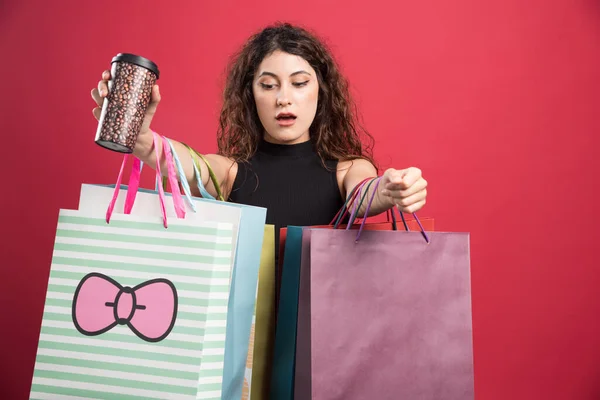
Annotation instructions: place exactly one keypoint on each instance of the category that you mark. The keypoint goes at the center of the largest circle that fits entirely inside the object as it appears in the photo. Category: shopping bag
(171, 273)
(243, 289)
(384, 315)
(258, 369)
(282, 383)
(210, 385)
(142, 202)
(126, 304)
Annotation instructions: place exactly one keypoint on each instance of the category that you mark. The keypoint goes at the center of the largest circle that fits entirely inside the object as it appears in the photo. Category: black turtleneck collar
(286, 150)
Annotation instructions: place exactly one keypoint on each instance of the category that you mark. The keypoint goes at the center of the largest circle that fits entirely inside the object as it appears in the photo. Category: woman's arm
(405, 188)
(221, 166)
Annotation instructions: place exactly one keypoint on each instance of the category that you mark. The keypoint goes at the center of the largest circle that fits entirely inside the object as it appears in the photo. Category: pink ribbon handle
(132, 189)
(134, 182)
(133, 186)
(173, 183)
(111, 205)
(161, 193)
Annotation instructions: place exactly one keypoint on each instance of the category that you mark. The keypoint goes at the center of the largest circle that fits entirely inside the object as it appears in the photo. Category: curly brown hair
(335, 130)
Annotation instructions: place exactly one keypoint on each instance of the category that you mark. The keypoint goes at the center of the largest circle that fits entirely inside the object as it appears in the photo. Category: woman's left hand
(405, 188)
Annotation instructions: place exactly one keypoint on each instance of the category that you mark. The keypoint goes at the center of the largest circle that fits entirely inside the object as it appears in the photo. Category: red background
(494, 100)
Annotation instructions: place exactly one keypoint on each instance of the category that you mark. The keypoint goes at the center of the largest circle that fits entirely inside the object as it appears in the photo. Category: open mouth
(285, 117)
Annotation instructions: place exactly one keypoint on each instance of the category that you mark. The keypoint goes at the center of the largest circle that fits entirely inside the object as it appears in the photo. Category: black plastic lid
(137, 60)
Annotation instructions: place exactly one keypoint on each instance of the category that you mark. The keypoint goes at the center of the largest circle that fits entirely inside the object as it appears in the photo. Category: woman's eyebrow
(300, 72)
(267, 73)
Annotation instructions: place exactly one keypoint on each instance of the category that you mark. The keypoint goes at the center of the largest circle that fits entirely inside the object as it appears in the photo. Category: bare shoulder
(359, 165)
(350, 171)
(225, 170)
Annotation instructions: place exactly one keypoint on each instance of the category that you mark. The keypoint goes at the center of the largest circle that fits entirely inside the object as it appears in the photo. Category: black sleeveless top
(291, 182)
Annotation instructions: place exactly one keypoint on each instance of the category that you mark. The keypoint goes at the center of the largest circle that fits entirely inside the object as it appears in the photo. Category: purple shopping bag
(384, 315)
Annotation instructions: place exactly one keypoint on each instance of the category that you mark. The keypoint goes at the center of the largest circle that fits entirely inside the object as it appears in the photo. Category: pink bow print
(149, 309)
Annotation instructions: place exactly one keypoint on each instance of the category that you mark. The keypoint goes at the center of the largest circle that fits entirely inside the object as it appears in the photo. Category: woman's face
(286, 92)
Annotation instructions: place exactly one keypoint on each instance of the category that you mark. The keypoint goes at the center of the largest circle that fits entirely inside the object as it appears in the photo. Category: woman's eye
(300, 84)
(267, 86)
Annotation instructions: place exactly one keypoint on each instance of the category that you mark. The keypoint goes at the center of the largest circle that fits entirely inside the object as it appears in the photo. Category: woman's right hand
(225, 169)
(99, 94)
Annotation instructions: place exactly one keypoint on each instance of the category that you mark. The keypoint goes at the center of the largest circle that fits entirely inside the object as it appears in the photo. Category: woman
(288, 138)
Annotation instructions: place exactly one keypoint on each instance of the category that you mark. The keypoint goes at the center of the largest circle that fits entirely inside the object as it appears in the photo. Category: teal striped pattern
(195, 256)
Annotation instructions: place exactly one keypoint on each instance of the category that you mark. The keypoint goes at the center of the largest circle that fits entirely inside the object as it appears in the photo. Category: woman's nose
(283, 98)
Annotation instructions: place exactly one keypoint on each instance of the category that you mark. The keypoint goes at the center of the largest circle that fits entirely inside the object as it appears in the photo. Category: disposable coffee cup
(129, 94)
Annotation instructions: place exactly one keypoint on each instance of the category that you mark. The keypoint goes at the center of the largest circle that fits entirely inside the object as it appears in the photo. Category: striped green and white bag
(127, 305)
(129, 298)
(211, 378)
(93, 197)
